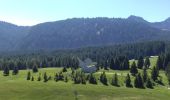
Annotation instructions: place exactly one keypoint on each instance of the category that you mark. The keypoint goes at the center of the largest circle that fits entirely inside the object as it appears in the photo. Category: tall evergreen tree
(114, 81)
(133, 69)
(15, 70)
(147, 62)
(149, 83)
(144, 75)
(92, 79)
(138, 82)
(140, 62)
(35, 69)
(103, 78)
(45, 77)
(128, 81)
(28, 75)
(6, 71)
(154, 73)
(167, 72)
(159, 63)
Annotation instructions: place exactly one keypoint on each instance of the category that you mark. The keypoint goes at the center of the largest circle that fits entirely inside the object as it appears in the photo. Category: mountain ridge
(82, 32)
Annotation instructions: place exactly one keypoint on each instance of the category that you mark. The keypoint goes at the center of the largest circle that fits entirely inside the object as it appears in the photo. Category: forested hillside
(81, 32)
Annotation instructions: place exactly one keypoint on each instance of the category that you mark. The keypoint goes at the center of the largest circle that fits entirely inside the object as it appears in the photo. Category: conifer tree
(128, 81)
(6, 71)
(32, 78)
(92, 79)
(144, 75)
(28, 75)
(103, 78)
(140, 62)
(167, 72)
(147, 62)
(133, 69)
(155, 73)
(138, 82)
(64, 69)
(149, 83)
(159, 63)
(114, 81)
(15, 70)
(45, 77)
(35, 69)
(39, 77)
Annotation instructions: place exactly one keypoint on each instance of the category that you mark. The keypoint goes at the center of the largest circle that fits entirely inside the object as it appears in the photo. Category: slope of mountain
(73, 33)
(81, 32)
(164, 25)
(10, 35)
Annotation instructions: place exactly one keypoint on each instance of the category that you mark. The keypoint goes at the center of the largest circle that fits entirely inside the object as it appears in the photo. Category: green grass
(18, 88)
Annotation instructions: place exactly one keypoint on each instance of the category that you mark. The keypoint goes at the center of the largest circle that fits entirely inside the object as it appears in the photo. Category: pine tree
(32, 78)
(103, 78)
(159, 63)
(6, 71)
(114, 81)
(15, 70)
(39, 77)
(144, 75)
(149, 83)
(35, 69)
(45, 77)
(147, 62)
(140, 62)
(28, 75)
(167, 72)
(92, 79)
(138, 82)
(128, 81)
(154, 73)
(64, 69)
(133, 69)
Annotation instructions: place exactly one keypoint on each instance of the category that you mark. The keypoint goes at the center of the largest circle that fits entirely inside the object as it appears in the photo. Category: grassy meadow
(16, 87)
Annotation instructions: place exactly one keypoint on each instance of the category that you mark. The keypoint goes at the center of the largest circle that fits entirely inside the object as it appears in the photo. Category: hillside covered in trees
(81, 32)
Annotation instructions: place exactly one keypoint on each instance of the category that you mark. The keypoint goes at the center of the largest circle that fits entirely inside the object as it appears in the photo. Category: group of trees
(113, 57)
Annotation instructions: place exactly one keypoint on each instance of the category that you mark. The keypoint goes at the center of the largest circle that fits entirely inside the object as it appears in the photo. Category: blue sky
(30, 12)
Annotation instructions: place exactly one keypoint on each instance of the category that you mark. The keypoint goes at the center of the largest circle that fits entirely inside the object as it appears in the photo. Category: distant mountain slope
(81, 32)
(11, 35)
(73, 33)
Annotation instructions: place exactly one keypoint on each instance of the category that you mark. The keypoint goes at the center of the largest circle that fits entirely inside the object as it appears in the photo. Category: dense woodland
(113, 57)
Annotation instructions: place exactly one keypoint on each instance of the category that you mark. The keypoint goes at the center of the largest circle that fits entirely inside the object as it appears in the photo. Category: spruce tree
(15, 70)
(39, 77)
(167, 72)
(92, 79)
(6, 71)
(154, 73)
(32, 78)
(140, 62)
(114, 81)
(133, 69)
(35, 69)
(28, 75)
(45, 77)
(138, 82)
(159, 63)
(149, 83)
(103, 78)
(64, 69)
(144, 75)
(128, 81)
(147, 62)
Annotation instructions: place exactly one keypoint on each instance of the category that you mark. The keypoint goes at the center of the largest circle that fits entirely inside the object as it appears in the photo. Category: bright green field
(18, 88)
